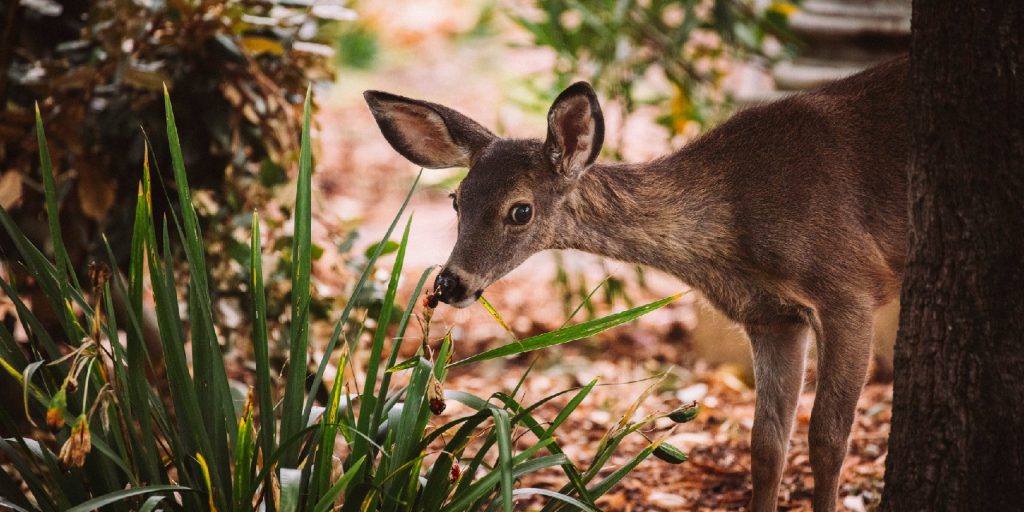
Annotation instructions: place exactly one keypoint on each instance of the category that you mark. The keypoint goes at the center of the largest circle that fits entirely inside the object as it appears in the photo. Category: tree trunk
(957, 440)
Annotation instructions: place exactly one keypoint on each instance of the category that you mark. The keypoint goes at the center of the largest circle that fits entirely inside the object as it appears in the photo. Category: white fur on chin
(464, 303)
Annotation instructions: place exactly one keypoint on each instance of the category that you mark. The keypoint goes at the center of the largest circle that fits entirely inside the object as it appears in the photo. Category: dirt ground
(425, 54)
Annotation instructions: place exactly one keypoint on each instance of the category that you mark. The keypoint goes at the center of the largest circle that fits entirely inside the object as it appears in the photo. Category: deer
(789, 217)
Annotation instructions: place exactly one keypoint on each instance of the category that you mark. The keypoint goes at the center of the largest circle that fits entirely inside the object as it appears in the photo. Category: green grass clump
(136, 430)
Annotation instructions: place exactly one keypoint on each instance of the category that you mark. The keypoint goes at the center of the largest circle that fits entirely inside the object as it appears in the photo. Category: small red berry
(456, 472)
(437, 405)
(430, 301)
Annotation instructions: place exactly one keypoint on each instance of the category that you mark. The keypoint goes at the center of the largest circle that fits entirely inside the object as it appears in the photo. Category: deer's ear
(428, 134)
(575, 130)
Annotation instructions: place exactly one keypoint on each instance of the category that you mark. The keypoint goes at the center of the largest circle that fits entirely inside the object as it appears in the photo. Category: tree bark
(957, 439)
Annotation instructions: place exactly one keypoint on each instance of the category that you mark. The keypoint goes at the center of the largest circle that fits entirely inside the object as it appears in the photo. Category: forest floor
(359, 176)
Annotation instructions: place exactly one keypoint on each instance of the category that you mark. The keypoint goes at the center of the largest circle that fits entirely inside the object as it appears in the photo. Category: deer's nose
(448, 287)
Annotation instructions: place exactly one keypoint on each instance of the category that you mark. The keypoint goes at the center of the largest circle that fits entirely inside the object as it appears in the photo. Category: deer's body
(790, 218)
(774, 211)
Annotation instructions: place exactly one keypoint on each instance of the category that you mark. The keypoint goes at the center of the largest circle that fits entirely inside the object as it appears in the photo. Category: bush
(614, 44)
(180, 439)
(97, 68)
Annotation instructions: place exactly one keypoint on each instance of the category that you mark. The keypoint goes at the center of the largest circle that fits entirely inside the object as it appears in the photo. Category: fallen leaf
(96, 192)
(10, 189)
(666, 500)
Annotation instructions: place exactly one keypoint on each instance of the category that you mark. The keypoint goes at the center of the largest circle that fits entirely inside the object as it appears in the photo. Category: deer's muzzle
(451, 289)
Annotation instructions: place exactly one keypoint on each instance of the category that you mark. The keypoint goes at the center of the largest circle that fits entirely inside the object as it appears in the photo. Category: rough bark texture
(957, 440)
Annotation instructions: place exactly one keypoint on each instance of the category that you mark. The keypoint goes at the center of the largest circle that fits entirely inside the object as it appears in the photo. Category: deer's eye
(455, 202)
(520, 214)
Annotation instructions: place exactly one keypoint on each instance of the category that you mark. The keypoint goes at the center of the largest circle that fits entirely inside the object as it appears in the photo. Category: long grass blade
(403, 324)
(482, 487)
(292, 417)
(210, 378)
(121, 495)
(291, 489)
(369, 398)
(190, 430)
(347, 311)
(261, 352)
(60, 253)
(526, 491)
(497, 317)
(573, 333)
(321, 477)
(328, 497)
(503, 431)
(245, 457)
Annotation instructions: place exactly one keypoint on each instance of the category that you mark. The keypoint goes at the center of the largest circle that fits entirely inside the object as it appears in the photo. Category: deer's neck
(666, 214)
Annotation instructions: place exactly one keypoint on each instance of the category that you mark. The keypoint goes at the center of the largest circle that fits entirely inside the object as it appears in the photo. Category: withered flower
(55, 411)
(435, 396)
(72, 454)
(99, 274)
(430, 301)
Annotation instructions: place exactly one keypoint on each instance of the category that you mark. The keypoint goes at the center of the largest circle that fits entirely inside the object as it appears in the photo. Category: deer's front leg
(844, 348)
(780, 351)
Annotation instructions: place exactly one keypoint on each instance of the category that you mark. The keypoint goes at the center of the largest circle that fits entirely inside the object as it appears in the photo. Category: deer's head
(510, 205)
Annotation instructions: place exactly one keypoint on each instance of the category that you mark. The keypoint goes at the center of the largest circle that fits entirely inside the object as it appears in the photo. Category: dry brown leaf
(10, 189)
(96, 192)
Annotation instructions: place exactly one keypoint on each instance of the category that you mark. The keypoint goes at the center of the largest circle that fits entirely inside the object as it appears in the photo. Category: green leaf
(291, 489)
(209, 377)
(151, 503)
(117, 496)
(367, 422)
(292, 417)
(385, 247)
(497, 317)
(321, 472)
(567, 334)
(60, 253)
(328, 497)
(404, 365)
(272, 174)
(526, 491)
(245, 456)
(261, 352)
(503, 432)
(605, 485)
(486, 484)
(332, 343)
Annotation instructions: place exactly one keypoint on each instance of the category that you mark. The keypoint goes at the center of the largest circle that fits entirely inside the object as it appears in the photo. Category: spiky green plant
(145, 431)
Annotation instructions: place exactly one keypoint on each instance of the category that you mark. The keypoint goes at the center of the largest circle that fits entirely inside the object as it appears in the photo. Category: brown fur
(790, 218)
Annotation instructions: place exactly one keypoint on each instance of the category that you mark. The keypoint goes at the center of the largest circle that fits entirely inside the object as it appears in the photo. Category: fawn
(790, 218)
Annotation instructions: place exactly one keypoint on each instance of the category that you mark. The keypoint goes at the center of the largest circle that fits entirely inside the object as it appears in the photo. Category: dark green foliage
(97, 69)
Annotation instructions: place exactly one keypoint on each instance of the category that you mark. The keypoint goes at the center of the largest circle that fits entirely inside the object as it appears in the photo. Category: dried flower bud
(72, 454)
(430, 301)
(99, 274)
(435, 396)
(437, 406)
(55, 411)
(685, 413)
(670, 454)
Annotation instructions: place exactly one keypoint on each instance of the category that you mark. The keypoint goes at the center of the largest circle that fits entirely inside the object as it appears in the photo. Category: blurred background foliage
(615, 44)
